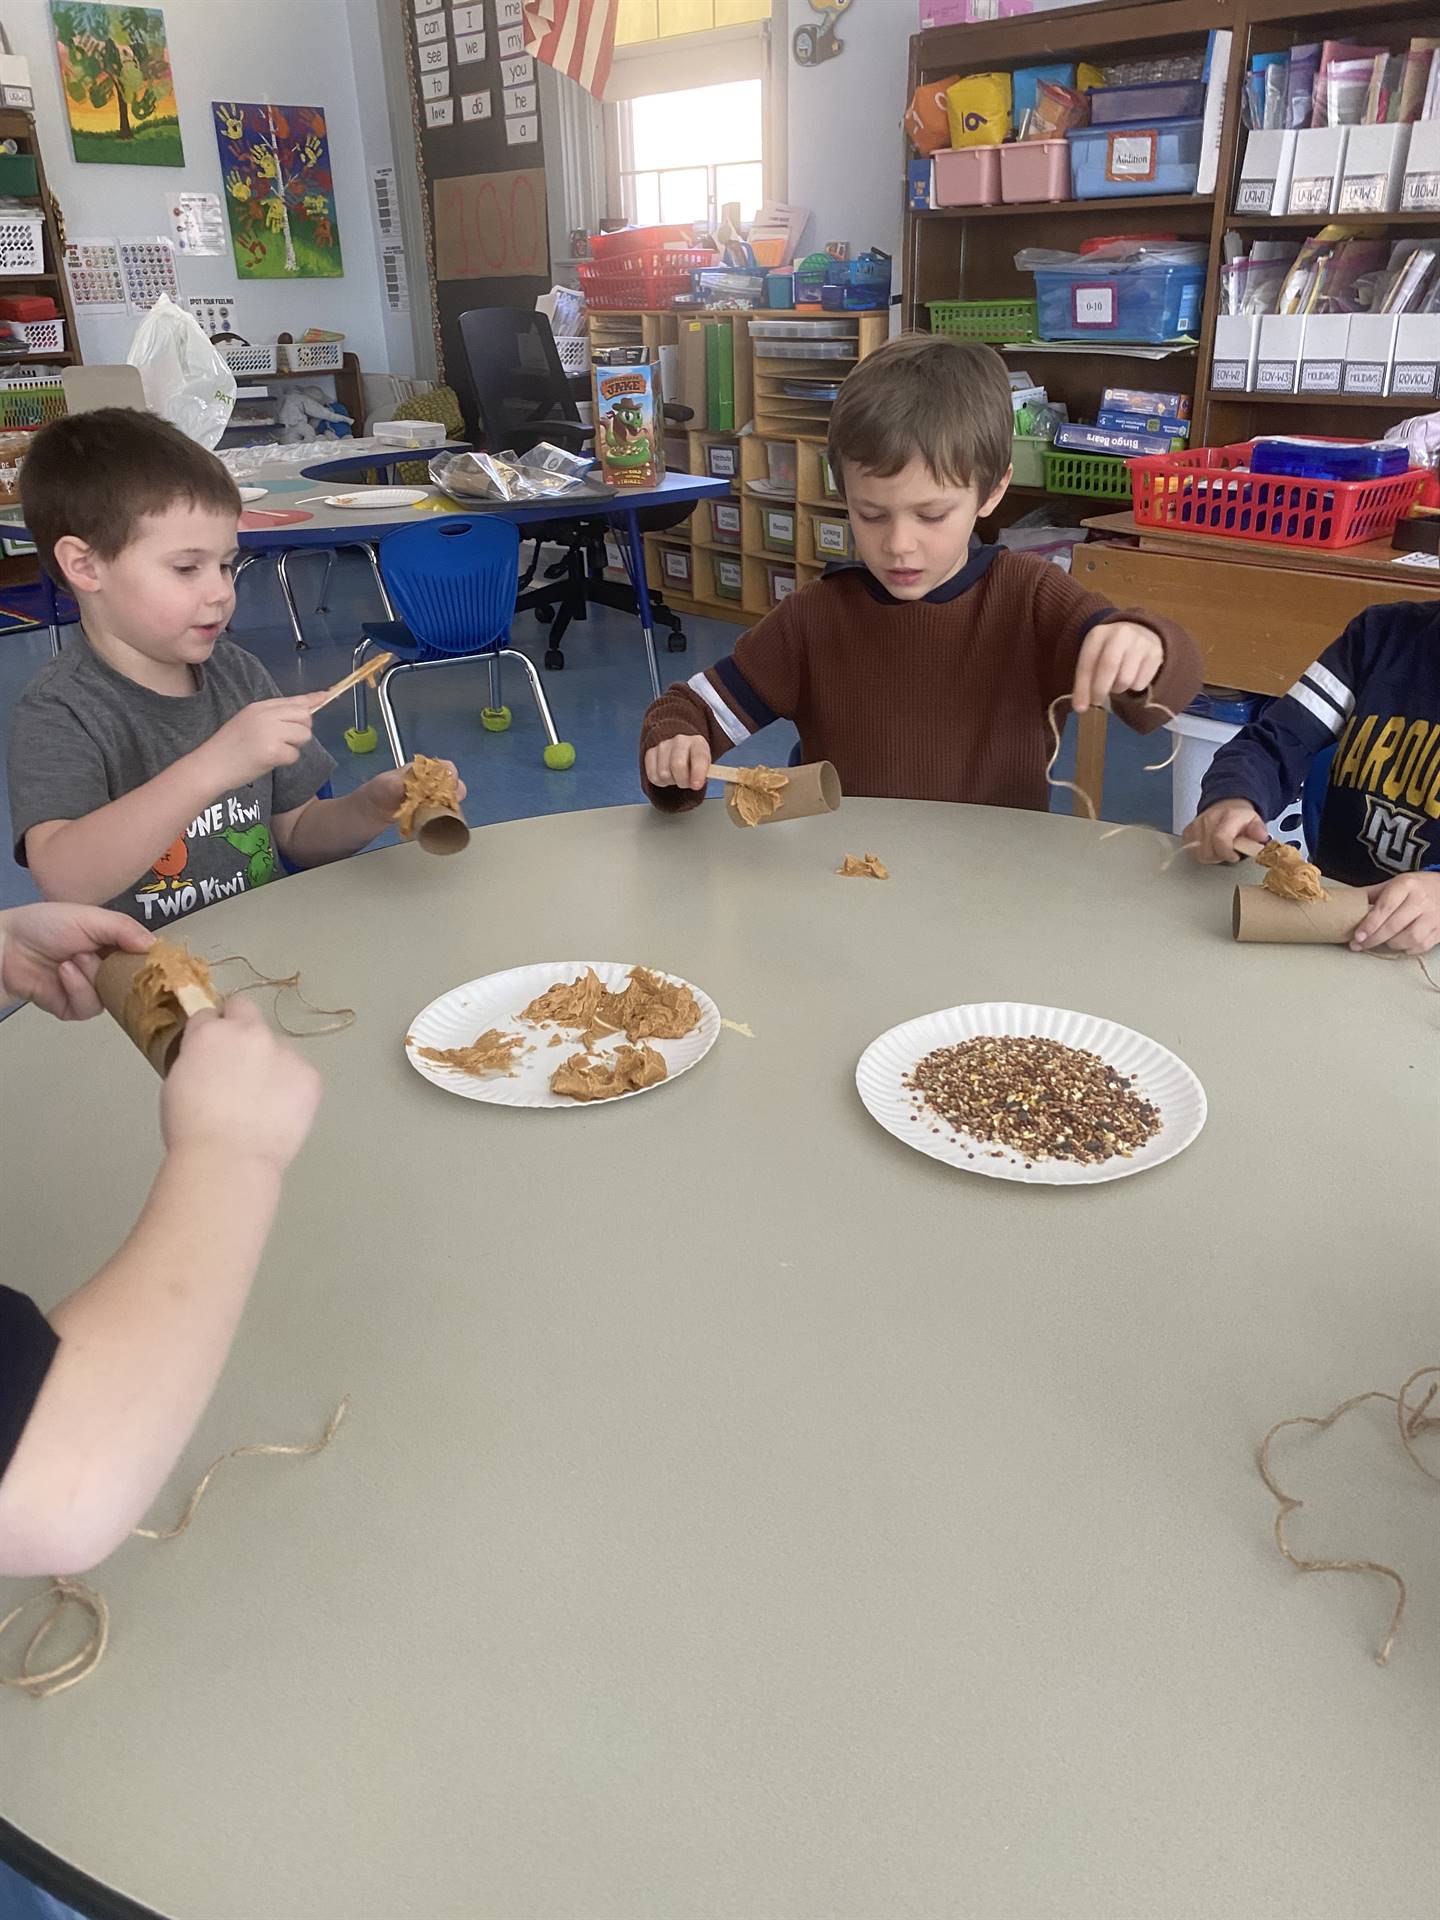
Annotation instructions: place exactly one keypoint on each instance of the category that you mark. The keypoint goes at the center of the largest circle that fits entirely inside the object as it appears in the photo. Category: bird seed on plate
(1040, 1098)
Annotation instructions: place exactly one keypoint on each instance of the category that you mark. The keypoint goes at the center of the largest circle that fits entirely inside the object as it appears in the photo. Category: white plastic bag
(186, 381)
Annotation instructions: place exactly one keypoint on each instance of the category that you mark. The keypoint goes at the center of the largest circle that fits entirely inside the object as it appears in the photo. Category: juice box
(629, 423)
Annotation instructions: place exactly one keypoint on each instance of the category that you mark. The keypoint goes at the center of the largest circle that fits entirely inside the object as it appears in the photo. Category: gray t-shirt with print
(84, 735)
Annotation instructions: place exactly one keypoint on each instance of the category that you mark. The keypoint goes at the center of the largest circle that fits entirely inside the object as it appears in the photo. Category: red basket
(608, 247)
(1213, 491)
(654, 278)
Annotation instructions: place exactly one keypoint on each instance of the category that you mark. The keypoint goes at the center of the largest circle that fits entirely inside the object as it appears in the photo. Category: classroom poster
(279, 191)
(119, 91)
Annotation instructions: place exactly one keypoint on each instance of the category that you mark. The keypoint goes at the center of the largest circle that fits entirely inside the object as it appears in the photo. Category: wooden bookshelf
(774, 433)
(967, 253)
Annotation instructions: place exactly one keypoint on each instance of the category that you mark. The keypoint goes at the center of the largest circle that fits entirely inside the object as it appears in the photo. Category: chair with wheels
(452, 583)
(523, 396)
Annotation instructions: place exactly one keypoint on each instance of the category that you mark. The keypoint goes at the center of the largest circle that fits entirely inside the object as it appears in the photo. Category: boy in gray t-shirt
(154, 767)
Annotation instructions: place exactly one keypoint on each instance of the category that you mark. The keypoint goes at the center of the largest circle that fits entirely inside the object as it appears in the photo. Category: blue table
(369, 530)
(331, 527)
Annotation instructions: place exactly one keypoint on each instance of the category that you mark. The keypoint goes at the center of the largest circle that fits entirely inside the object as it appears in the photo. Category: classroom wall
(298, 52)
(846, 148)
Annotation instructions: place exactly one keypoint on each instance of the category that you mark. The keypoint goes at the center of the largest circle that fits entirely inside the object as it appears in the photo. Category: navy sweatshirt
(1375, 696)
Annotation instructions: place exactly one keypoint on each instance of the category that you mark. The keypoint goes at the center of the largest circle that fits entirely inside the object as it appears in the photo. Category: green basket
(996, 322)
(1027, 459)
(1098, 476)
(23, 405)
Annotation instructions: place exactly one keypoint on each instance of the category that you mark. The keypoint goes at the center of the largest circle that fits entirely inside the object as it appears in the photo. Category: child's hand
(1119, 656)
(1214, 832)
(261, 737)
(1404, 915)
(238, 1092)
(49, 953)
(683, 761)
(383, 794)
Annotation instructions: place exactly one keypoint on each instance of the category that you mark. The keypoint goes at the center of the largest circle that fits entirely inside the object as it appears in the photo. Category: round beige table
(740, 1515)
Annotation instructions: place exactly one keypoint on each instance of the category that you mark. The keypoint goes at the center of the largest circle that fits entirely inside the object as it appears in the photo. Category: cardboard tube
(1261, 915)
(808, 790)
(440, 830)
(113, 979)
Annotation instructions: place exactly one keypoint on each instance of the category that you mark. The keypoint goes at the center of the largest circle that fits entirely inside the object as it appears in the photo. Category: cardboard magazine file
(1260, 915)
(114, 980)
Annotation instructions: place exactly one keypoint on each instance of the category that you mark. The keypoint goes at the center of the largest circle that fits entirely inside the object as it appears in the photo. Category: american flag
(575, 37)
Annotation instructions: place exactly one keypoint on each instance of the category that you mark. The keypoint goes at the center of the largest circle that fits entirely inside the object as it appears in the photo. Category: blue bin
(1118, 163)
(1104, 301)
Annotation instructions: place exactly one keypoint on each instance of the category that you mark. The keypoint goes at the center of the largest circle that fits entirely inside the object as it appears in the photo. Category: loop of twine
(63, 1592)
(60, 1593)
(339, 1017)
(1410, 1421)
(1156, 766)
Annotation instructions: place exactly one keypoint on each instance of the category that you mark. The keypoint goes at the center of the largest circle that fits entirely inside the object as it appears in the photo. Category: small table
(1259, 613)
(623, 511)
(740, 1514)
(369, 528)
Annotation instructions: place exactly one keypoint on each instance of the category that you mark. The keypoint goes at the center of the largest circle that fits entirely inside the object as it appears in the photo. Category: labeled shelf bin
(1110, 163)
(1135, 302)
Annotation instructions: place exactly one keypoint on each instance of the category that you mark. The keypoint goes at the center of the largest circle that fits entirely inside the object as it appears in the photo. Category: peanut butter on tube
(152, 996)
(1262, 916)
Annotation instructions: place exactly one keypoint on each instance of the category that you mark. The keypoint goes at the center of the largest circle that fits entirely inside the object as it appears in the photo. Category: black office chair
(523, 396)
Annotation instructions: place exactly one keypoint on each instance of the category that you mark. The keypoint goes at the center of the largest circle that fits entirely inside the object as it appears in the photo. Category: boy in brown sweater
(925, 671)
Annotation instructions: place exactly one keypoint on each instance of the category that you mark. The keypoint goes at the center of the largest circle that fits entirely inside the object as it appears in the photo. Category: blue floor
(598, 701)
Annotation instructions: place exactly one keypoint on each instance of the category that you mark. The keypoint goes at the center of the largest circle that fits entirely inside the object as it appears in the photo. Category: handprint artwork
(279, 191)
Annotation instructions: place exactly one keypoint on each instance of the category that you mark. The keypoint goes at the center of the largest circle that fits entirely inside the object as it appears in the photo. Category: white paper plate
(1159, 1077)
(247, 494)
(460, 1016)
(366, 499)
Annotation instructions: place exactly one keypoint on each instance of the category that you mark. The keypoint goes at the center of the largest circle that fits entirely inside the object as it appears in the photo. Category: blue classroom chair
(453, 584)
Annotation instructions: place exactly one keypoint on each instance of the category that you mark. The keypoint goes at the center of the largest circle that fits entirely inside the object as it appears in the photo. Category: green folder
(719, 378)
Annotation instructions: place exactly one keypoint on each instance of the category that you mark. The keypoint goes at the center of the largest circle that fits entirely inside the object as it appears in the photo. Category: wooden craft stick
(1250, 847)
(367, 672)
(732, 774)
(195, 1000)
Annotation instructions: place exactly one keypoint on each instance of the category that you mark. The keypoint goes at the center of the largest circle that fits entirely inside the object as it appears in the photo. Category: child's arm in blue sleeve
(1267, 761)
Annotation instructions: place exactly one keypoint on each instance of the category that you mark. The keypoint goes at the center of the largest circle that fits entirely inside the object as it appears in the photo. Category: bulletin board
(476, 103)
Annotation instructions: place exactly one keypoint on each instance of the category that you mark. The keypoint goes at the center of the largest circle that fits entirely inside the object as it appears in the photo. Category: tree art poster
(279, 191)
(119, 92)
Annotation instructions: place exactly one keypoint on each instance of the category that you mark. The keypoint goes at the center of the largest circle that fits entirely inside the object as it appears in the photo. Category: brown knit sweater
(937, 699)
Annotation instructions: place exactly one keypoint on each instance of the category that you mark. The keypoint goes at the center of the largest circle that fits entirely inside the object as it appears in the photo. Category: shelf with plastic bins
(1131, 204)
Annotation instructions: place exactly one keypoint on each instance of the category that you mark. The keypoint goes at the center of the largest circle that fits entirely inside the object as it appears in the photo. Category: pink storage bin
(1034, 170)
(968, 176)
(969, 13)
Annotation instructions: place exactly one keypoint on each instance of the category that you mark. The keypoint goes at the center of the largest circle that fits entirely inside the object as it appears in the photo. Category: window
(685, 155)
(640, 20)
(695, 122)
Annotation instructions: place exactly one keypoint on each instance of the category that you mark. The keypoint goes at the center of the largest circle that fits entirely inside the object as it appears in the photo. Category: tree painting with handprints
(119, 93)
(279, 191)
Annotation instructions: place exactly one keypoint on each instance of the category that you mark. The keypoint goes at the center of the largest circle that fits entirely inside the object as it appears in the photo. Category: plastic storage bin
(1112, 163)
(857, 286)
(1114, 301)
(996, 322)
(22, 240)
(1157, 100)
(1212, 490)
(722, 459)
(832, 537)
(241, 356)
(41, 336)
(780, 583)
(311, 356)
(777, 529)
(1096, 476)
(800, 330)
(967, 177)
(1035, 170)
(729, 579)
(725, 522)
(677, 568)
(30, 402)
(1027, 459)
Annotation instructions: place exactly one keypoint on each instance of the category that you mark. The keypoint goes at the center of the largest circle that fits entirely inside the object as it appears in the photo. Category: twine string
(63, 1592)
(339, 1018)
(1411, 1420)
